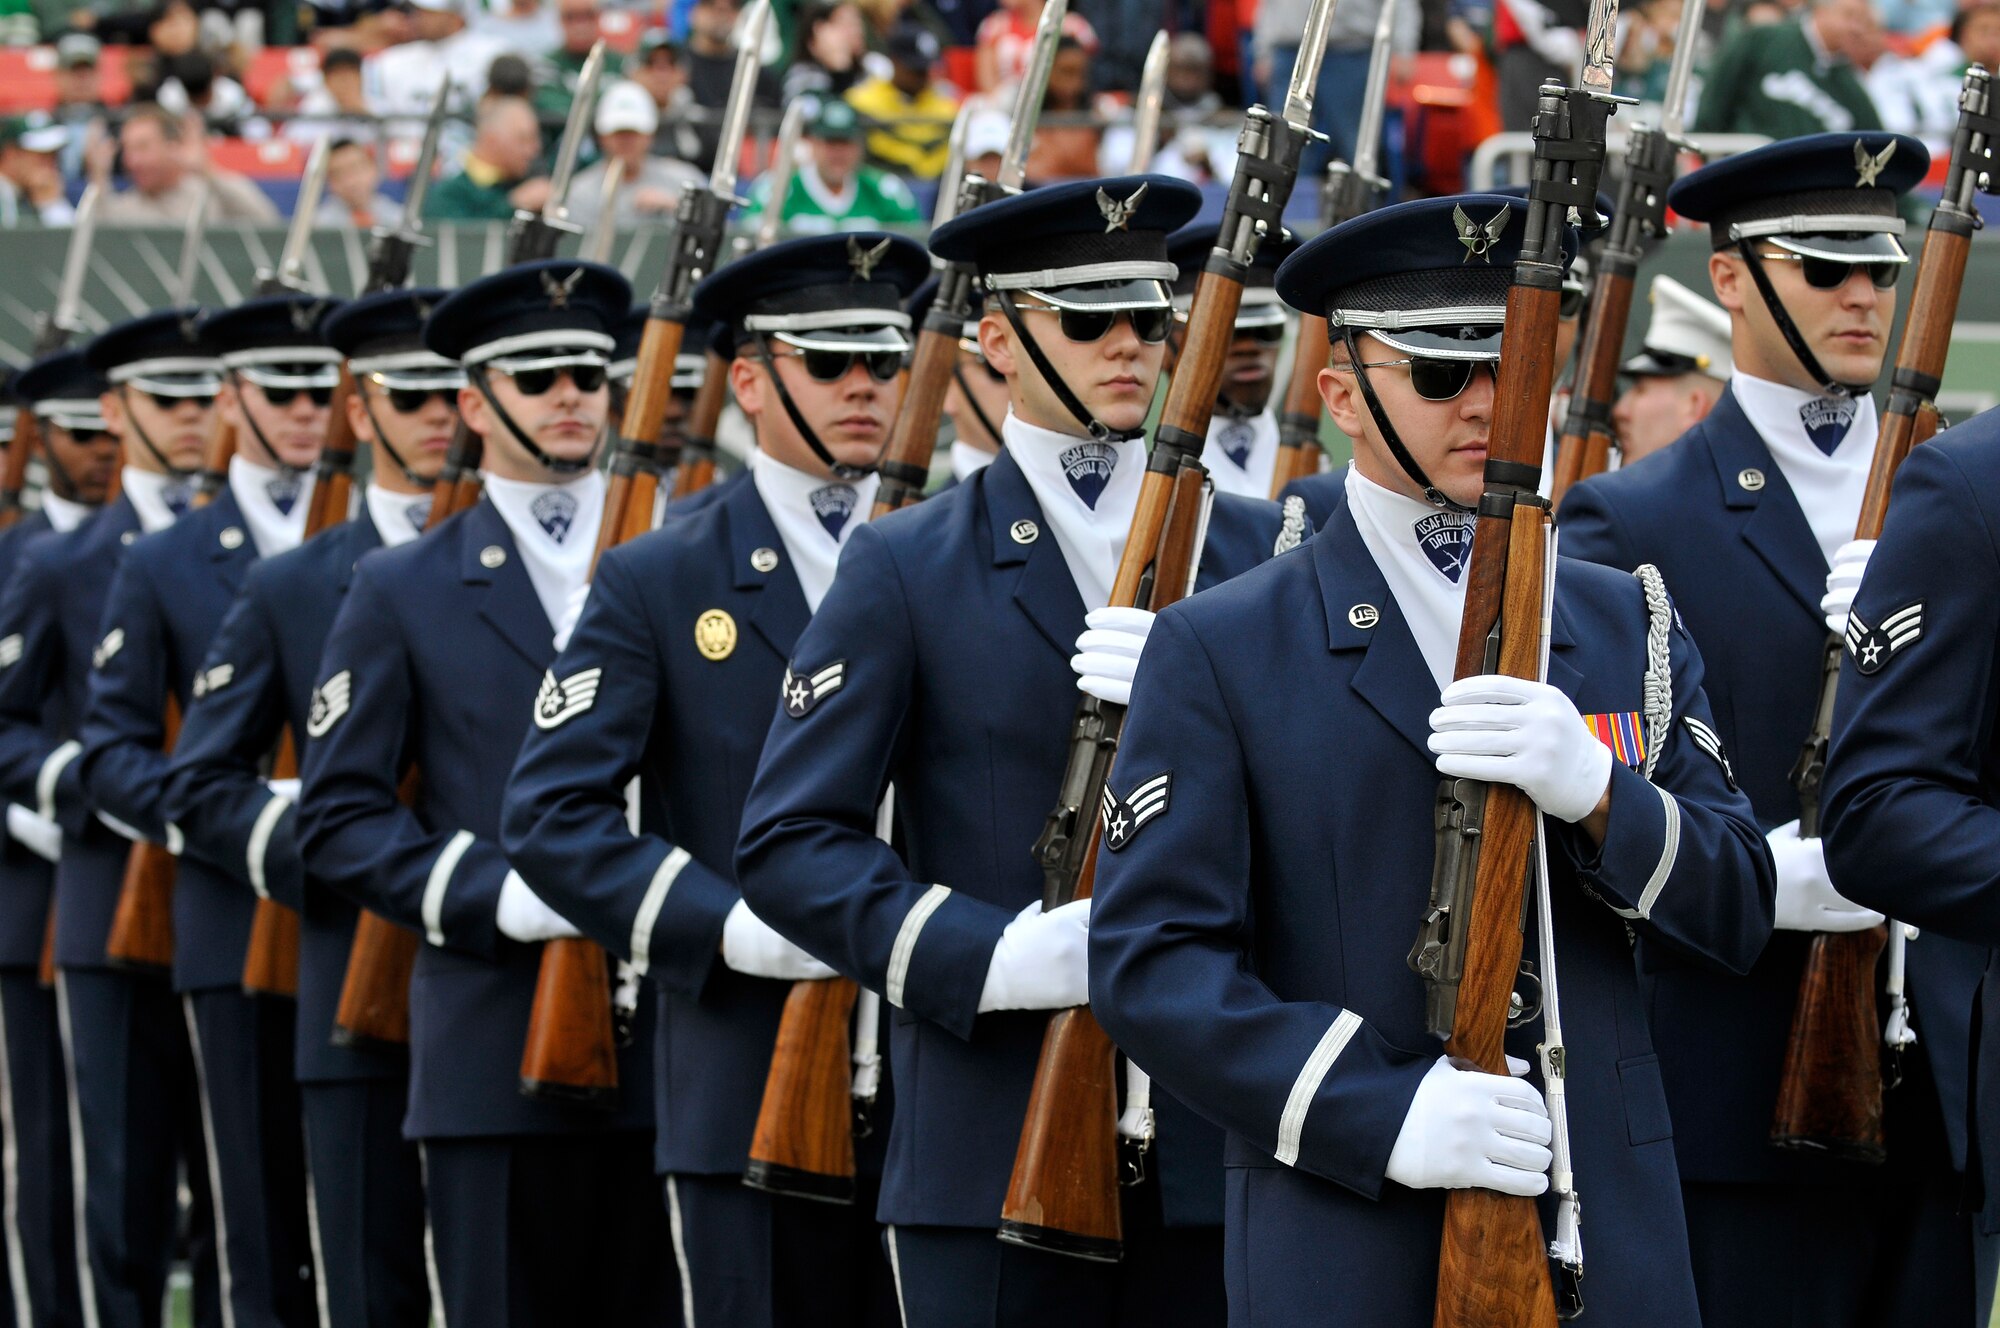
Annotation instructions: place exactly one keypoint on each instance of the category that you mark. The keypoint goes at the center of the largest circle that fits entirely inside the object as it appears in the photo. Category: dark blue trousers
(753, 1260)
(549, 1231)
(135, 1127)
(37, 1206)
(367, 1194)
(255, 1155)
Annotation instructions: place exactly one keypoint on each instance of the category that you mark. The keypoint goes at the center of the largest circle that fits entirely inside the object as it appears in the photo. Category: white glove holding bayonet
(1528, 734)
(1807, 900)
(523, 916)
(1041, 962)
(1467, 1129)
(1843, 578)
(752, 946)
(1107, 654)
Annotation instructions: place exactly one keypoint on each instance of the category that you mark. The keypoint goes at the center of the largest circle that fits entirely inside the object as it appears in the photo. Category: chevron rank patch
(113, 642)
(561, 700)
(803, 691)
(330, 701)
(1622, 732)
(1124, 819)
(1873, 647)
(213, 680)
(10, 650)
(1710, 743)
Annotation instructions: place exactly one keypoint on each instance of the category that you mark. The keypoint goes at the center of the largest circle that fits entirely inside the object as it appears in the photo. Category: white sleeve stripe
(51, 771)
(439, 882)
(906, 942)
(260, 841)
(1669, 851)
(1292, 1125)
(649, 908)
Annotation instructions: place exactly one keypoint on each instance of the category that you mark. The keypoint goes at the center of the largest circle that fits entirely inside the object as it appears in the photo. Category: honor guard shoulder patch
(1124, 819)
(113, 642)
(213, 680)
(10, 649)
(558, 702)
(1710, 743)
(803, 691)
(1873, 647)
(329, 702)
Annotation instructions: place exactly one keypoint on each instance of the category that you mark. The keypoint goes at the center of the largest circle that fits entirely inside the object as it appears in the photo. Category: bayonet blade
(1147, 106)
(290, 273)
(596, 246)
(420, 178)
(1028, 99)
(580, 108)
(1368, 136)
(76, 263)
(784, 164)
(191, 238)
(1687, 36)
(742, 91)
(954, 167)
(1600, 47)
(1305, 70)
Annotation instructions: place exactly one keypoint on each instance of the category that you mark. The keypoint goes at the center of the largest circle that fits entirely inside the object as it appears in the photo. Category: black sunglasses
(830, 366)
(1832, 274)
(86, 437)
(1433, 379)
(410, 400)
(534, 382)
(1572, 303)
(1268, 333)
(1084, 326)
(167, 401)
(282, 397)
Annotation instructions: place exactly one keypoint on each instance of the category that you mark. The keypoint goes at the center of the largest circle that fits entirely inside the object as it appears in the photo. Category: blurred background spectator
(909, 113)
(163, 159)
(1007, 37)
(337, 106)
(1343, 76)
(659, 69)
(711, 65)
(79, 104)
(31, 178)
(354, 194)
(649, 187)
(1066, 151)
(1793, 77)
(827, 47)
(496, 175)
(555, 78)
(833, 189)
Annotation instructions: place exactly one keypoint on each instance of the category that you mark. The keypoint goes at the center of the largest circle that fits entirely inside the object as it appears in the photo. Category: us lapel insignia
(1873, 647)
(715, 634)
(10, 650)
(330, 701)
(559, 701)
(1124, 818)
(803, 691)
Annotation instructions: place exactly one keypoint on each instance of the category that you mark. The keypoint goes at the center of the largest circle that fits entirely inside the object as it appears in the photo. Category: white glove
(1850, 560)
(1470, 1130)
(523, 916)
(749, 945)
(1040, 962)
(1528, 734)
(1807, 900)
(288, 789)
(35, 832)
(572, 610)
(1107, 654)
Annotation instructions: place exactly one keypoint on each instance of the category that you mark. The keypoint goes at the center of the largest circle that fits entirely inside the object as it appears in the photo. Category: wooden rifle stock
(45, 967)
(1298, 422)
(697, 467)
(1585, 445)
(142, 927)
(906, 463)
(1830, 1094)
(14, 468)
(803, 1144)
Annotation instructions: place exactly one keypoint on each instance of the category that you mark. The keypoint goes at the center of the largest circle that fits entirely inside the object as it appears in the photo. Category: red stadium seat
(273, 159)
(28, 83)
(275, 63)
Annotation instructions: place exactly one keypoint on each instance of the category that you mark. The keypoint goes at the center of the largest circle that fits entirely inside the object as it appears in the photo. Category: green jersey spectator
(558, 71)
(832, 190)
(1783, 80)
(494, 180)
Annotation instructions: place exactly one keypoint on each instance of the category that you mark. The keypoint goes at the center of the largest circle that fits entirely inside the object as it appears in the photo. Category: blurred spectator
(527, 27)
(191, 82)
(79, 97)
(173, 29)
(338, 107)
(711, 67)
(582, 24)
(1915, 18)
(402, 80)
(31, 179)
(494, 181)
(912, 117)
(1188, 102)
(1533, 42)
(18, 26)
(1791, 78)
(1647, 57)
(985, 143)
(1919, 95)
(164, 159)
(650, 187)
(832, 189)
(1007, 38)
(1068, 151)
(658, 69)
(354, 194)
(826, 50)
(510, 75)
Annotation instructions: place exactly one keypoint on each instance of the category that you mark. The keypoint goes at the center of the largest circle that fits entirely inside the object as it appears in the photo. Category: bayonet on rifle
(65, 321)
(290, 274)
(1146, 107)
(1028, 98)
(182, 294)
(953, 178)
(750, 30)
(534, 235)
(784, 164)
(389, 254)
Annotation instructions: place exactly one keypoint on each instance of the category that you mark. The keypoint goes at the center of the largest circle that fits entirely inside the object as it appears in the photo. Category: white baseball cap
(986, 132)
(626, 105)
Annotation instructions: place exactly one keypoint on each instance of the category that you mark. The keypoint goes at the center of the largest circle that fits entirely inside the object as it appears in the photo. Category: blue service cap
(688, 365)
(163, 352)
(1087, 244)
(831, 292)
(1824, 195)
(382, 336)
(551, 309)
(274, 340)
(62, 388)
(1428, 277)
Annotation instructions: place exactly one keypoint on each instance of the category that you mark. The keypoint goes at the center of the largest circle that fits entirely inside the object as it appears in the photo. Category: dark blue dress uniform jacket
(55, 603)
(168, 597)
(1747, 576)
(954, 639)
(1913, 780)
(690, 727)
(1320, 493)
(26, 879)
(258, 681)
(1248, 943)
(435, 658)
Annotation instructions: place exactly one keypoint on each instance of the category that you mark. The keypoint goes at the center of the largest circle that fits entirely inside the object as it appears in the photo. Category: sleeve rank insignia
(330, 701)
(113, 642)
(1710, 743)
(1873, 647)
(213, 680)
(803, 691)
(1123, 820)
(559, 701)
(10, 650)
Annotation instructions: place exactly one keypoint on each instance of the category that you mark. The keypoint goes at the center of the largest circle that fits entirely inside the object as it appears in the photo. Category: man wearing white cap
(649, 187)
(1677, 375)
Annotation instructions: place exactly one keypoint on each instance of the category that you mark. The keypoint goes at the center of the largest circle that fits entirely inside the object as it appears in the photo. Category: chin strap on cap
(556, 465)
(840, 469)
(1380, 414)
(1790, 330)
(1095, 427)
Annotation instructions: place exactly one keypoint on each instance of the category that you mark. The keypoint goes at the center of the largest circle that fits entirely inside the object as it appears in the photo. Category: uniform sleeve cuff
(1641, 844)
(462, 895)
(937, 965)
(1346, 1107)
(677, 932)
(271, 858)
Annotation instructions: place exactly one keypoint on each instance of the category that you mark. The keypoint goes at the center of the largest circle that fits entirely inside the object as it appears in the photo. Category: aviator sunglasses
(830, 366)
(282, 397)
(534, 382)
(1084, 326)
(1433, 379)
(1832, 274)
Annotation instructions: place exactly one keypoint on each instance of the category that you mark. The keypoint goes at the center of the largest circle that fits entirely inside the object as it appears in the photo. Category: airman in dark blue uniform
(134, 1117)
(686, 636)
(542, 1212)
(1749, 515)
(1269, 846)
(366, 1192)
(940, 662)
(1242, 444)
